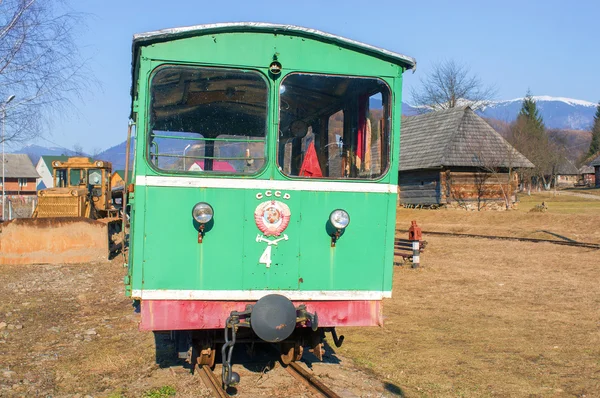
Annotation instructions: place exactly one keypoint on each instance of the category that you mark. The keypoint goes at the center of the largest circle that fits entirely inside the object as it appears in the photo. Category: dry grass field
(68, 331)
(493, 318)
(479, 318)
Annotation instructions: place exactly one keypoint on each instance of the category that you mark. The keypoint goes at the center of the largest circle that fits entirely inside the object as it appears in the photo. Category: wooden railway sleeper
(310, 380)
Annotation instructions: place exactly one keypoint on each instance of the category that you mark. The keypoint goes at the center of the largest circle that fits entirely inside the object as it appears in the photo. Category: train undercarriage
(272, 319)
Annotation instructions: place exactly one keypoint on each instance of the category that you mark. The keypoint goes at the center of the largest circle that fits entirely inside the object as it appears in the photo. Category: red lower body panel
(197, 314)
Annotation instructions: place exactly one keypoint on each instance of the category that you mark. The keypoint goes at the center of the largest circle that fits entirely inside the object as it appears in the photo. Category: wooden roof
(595, 162)
(566, 167)
(454, 137)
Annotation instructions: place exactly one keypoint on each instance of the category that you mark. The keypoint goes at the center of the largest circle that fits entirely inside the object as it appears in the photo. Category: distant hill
(35, 152)
(577, 142)
(116, 155)
(408, 110)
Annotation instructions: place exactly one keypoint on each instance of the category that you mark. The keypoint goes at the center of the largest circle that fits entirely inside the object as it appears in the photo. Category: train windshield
(334, 127)
(208, 120)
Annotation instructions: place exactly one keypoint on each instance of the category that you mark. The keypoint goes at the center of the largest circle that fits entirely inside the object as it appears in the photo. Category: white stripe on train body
(243, 183)
(252, 295)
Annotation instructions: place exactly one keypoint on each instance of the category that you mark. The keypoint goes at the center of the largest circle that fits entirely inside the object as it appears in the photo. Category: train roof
(164, 35)
(189, 31)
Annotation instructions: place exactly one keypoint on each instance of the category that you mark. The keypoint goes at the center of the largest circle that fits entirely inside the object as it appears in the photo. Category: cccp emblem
(272, 217)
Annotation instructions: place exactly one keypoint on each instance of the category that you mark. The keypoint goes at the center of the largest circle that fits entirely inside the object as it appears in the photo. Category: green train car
(265, 174)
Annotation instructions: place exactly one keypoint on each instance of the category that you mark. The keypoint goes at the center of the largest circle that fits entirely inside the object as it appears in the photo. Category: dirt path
(68, 331)
(579, 194)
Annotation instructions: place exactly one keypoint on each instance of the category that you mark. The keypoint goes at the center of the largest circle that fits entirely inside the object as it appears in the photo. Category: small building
(117, 179)
(45, 170)
(587, 176)
(453, 157)
(596, 165)
(567, 175)
(20, 179)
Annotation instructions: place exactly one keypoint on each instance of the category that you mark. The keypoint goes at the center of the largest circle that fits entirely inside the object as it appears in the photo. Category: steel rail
(211, 381)
(514, 238)
(311, 381)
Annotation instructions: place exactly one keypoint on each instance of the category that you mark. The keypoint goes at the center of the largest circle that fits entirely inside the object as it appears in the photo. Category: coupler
(273, 319)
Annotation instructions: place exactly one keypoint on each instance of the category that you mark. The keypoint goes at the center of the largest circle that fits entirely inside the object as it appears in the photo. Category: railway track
(211, 381)
(310, 381)
(398, 243)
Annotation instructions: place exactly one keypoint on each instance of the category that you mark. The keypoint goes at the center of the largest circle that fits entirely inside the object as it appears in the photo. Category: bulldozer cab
(91, 176)
(81, 189)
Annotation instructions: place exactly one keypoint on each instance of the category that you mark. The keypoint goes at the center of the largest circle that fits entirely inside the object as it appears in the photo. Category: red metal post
(415, 236)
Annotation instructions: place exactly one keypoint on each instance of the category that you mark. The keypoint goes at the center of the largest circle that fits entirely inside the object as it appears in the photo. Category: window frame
(213, 174)
(390, 142)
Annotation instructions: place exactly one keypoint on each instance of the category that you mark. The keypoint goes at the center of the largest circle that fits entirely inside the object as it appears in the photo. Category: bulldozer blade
(54, 240)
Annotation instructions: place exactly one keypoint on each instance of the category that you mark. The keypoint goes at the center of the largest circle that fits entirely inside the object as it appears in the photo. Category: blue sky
(550, 47)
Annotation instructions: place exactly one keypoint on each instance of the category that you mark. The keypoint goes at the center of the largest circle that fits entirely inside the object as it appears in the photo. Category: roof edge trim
(188, 31)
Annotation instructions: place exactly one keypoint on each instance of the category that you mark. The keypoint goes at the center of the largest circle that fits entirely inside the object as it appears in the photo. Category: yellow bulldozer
(74, 222)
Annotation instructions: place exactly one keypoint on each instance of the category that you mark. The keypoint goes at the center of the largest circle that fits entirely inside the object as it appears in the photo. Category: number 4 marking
(265, 258)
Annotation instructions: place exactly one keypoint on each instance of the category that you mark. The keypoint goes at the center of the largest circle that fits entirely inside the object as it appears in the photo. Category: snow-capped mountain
(557, 112)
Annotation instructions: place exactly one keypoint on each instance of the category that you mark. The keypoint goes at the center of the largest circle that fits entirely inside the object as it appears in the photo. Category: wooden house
(453, 157)
(587, 176)
(567, 175)
(596, 165)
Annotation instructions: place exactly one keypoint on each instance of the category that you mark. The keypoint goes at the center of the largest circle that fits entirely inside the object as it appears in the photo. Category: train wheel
(291, 352)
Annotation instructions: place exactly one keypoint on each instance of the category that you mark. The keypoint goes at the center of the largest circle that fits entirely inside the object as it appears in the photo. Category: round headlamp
(202, 212)
(339, 219)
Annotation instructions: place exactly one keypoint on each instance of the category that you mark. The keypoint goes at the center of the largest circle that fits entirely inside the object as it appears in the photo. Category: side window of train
(334, 127)
(207, 120)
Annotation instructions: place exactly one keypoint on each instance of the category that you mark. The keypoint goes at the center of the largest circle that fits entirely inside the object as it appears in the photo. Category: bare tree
(498, 171)
(544, 151)
(449, 85)
(78, 150)
(39, 63)
(96, 151)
